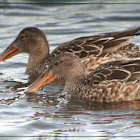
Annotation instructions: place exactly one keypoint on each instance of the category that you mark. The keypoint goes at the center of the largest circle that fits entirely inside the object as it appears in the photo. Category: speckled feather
(113, 81)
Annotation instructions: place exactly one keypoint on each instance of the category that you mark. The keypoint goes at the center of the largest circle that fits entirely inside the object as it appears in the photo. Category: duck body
(101, 48)
(92, 50)
(114, 81)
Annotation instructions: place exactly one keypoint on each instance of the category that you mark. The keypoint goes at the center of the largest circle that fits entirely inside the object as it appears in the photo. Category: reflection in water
(48, 112)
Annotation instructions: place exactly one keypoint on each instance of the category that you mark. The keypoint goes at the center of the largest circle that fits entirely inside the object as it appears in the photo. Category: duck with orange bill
(114, 81)
(92, 50)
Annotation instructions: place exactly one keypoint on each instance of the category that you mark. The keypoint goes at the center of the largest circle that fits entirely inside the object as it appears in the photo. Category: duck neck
(36, 63)
(71, 85)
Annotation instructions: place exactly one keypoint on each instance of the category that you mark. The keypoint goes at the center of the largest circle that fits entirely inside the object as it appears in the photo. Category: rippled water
(46, 113)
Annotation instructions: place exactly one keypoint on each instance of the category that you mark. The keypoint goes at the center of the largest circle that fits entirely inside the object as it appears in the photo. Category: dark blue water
(47, 114)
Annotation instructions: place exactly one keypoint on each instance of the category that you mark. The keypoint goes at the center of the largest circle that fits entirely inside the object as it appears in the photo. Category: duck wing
(125, 70)
(97, 45)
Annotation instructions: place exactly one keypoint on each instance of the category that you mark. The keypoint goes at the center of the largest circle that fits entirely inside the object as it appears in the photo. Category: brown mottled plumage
(113, 81)
(93, 50)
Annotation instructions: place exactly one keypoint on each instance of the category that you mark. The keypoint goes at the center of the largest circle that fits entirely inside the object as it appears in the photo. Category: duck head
(30, 40)
(67, 66)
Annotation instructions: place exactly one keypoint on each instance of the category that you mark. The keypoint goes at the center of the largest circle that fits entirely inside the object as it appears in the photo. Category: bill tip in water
(28, 90)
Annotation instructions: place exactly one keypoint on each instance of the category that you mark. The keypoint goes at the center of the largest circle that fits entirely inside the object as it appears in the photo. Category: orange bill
(41, 81)
(9, 52)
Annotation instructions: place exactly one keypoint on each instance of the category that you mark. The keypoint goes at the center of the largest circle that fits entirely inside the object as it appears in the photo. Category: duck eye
(56, 63)
(22, 36)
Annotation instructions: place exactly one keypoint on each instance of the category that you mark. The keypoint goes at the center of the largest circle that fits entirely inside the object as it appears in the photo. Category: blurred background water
(45, 113)
(70, 1)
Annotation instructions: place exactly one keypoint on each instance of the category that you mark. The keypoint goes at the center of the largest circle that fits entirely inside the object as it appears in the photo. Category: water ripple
(45, 113)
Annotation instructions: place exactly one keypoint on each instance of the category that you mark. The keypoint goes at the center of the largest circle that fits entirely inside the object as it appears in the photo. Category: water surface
(45, 113)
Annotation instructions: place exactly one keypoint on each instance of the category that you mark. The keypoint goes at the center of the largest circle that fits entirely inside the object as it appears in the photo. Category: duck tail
(134, 31)
(131, 32)
(137, 31)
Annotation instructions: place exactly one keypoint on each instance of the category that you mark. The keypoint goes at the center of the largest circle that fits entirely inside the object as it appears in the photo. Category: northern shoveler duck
(113, 81)
(93, 50)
